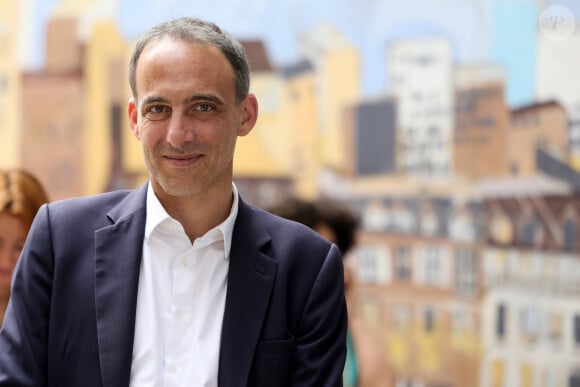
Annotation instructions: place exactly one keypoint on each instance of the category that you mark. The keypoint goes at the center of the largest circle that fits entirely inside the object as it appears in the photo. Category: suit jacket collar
(250, 282)
(118, 250)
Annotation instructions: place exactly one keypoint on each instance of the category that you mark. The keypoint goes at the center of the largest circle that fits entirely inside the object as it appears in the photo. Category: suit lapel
(250, 281)
(118, 250)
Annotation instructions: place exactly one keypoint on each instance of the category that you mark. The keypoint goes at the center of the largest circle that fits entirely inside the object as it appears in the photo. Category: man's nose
(180, 130)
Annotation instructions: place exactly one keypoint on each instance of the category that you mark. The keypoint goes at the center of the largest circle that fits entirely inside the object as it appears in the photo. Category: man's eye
(204, 107)
(156, 112)
(158, 109)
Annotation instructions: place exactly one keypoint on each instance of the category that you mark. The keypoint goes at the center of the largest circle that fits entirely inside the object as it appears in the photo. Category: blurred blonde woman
(21, 194)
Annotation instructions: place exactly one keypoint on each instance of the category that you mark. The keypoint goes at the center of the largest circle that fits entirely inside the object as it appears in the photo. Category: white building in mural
(557, 78)
(531, 318)
(421, 74)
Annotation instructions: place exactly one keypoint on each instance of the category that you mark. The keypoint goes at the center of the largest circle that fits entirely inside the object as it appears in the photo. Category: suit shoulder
(99, 200)
(87, 206)
(289, 231)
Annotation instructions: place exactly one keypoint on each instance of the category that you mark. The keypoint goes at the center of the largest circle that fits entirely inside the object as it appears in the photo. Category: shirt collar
(156, 215)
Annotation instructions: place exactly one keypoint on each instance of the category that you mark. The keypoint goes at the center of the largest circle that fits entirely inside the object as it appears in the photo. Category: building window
(569, 234)
(466, 273)
(403, 263)
(555, 328)
(462, 226)
(372, 264)
(500, 327)
(403, 219)
(375, 216)
(462, 321)
(530, 232)
(497, 373)
(371, 310)
(529, 324)
(526, 376)
(432, 265)
(429, 317)
(401, 318)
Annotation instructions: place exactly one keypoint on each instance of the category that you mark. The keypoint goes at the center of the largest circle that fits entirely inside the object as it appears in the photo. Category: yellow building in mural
(286, 137)
(260, 153)
(300, 120)
(300, 130)
(337, 85)
(107, 93)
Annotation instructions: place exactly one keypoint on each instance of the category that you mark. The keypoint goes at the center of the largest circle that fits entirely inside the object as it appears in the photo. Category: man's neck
(199, 214)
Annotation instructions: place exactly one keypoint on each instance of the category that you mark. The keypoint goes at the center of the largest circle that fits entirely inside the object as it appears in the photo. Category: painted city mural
(462, 160)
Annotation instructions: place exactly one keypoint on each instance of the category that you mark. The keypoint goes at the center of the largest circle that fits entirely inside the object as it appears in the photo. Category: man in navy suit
(178, 283)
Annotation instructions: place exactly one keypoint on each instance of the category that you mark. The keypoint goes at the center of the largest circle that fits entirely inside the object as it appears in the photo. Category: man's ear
(133, 114)
(248, 115)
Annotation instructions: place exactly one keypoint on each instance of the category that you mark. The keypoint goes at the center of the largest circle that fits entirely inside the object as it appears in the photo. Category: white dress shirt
(180, 301)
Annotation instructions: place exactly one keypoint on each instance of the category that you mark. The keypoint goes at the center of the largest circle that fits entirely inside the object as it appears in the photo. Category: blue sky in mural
(369, 24)
(477, 29)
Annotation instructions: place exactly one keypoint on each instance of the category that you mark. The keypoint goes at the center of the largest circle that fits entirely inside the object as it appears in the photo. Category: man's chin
(177, 189)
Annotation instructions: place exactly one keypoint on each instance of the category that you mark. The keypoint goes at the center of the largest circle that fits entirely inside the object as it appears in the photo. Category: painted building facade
(422, 81)
(10, 86)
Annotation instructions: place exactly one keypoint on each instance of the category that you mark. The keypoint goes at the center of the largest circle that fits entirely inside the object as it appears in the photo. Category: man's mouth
(183, 160)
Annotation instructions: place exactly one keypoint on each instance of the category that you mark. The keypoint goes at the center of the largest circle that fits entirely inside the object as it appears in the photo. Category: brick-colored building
(418, 287)
(542, 125)
(53, 119)
(481, 123)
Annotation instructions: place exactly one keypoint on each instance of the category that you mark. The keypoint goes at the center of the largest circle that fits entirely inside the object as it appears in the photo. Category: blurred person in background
(366, 364)
(21, 195)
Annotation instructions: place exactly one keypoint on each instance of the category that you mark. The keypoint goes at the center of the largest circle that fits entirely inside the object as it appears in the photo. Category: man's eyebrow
(194, 98)
(205, 97)
(152, 99)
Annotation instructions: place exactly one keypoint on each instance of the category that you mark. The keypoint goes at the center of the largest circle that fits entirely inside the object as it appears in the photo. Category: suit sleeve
(24, 334)
(321, 346)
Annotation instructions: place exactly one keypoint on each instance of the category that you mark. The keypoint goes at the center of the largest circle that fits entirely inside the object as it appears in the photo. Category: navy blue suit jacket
(71, 317)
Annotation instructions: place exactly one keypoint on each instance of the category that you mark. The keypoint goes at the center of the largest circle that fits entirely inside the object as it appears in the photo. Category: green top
(350, 373)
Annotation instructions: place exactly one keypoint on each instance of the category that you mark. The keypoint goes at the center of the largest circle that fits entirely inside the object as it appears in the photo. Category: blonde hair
(21, 195)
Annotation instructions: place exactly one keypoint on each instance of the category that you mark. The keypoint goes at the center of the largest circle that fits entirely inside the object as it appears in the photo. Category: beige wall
(338, 86)
(301, 122)
(52, 135)
(541, 125)
(106, 84)
(480, 150)
(10, 89)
